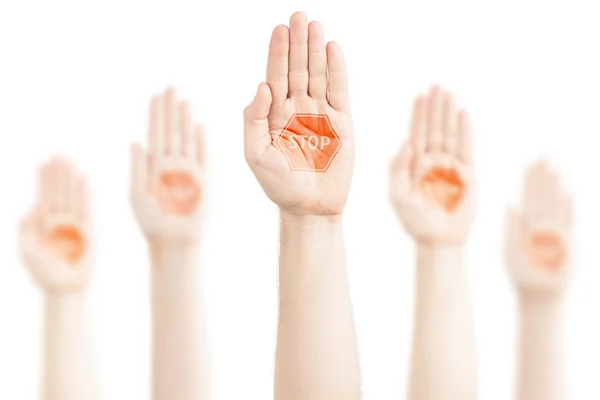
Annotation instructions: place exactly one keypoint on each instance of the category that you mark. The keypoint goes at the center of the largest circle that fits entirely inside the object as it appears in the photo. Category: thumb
(401, 177)
(138, 170)
(513, 231)
(256, 125)
(28, 231)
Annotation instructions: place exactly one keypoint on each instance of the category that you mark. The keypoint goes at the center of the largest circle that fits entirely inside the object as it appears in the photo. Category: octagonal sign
(309, 143)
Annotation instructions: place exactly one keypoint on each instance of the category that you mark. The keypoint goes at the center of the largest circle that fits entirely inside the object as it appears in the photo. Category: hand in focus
(298, 161)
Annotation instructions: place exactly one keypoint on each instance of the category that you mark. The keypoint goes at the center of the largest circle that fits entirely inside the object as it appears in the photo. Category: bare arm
(541, 347)
(433, 192)
(443, 327)
(166, 197)
(316, 346)
(299, 143)
(55, 246)
(180, 361)
(68, 366)
(537, 254)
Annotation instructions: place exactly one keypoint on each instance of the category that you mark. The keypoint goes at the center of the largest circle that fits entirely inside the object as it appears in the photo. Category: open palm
(305, 76)
(432, 179)
(166, 184)
(55, 235)
(538, 234)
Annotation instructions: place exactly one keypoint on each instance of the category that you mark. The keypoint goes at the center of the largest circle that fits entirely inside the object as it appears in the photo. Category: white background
(76, 78)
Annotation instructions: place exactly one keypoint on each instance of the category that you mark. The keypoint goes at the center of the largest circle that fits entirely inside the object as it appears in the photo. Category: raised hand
(432, 183)
(166, 189)
(299, 139)
(55, 235)
(537, 242)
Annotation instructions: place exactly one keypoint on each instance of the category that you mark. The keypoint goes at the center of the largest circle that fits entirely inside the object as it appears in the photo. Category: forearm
(316, 355)
(68, 368)
(541, 362)
(180, 359)
(443, 359)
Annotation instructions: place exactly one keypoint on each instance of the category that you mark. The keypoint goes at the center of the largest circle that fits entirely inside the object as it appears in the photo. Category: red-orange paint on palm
(67, 242)
(309, 142)
(546, 250)
(178, 192)
(443, 187)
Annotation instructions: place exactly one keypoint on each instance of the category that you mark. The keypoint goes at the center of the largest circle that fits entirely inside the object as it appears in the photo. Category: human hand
(299, 162)
(538, 235)
(166, 185)
(55, 235)
(432, 185)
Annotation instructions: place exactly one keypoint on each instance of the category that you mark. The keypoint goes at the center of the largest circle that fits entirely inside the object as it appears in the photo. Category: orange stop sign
(309, 142)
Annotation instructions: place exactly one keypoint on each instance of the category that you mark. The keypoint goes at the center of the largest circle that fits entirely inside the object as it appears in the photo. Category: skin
(309, 142)
(443, 187)
(316, 354)
(166, 194)
(433, 193)
(67, 243)
(537, 250)
(55, 247)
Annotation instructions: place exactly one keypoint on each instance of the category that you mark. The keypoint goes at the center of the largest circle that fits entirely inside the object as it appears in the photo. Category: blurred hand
(432, 183)
(166, 188)
(55, 235)
(537, 241)
(304, 76)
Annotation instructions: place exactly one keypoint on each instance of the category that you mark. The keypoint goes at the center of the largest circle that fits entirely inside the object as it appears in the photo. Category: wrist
(541, 320)
(442, 261)
(56, 296)
(310, 220)
(163, 241)
(540, 299)
(172, 254)
(59, 304)
(439, 250)
(167, 245)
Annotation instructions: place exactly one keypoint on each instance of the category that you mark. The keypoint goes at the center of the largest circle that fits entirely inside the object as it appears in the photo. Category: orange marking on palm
(443, 187)
(546, 250)
(67, 242)
(309, 142)
(178, 192)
